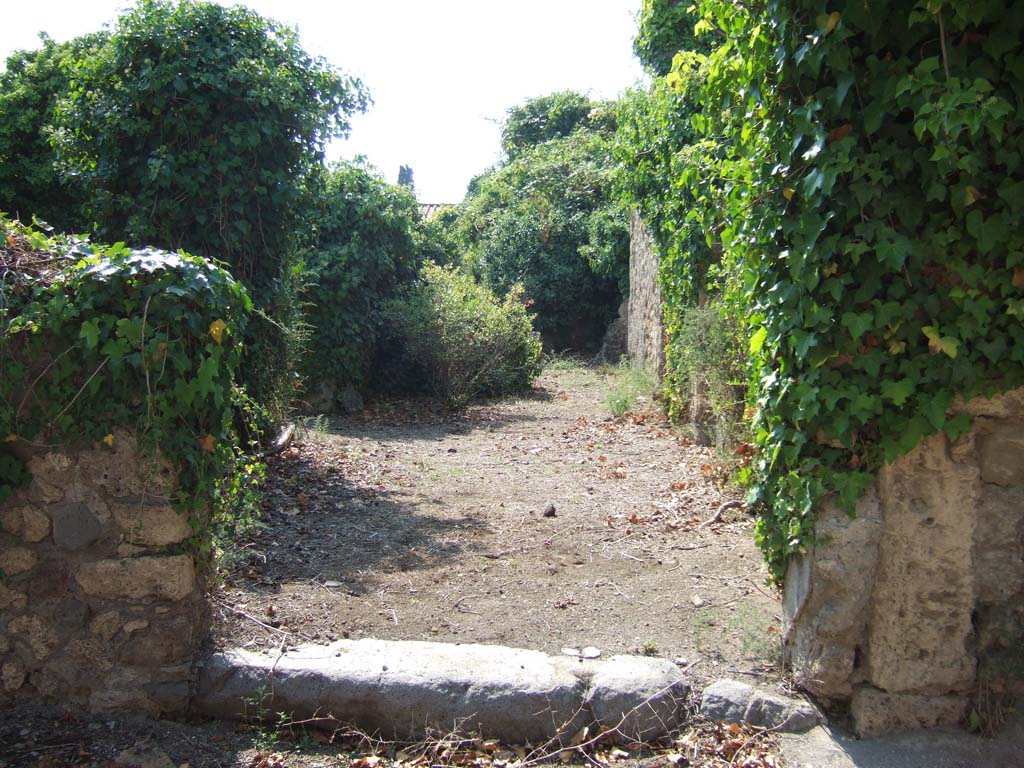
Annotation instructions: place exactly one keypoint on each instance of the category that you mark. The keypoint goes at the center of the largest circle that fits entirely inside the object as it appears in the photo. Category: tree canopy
(195, 126)
(546, 218)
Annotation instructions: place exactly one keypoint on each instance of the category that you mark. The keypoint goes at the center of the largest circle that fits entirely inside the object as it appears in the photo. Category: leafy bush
(363, 249)
(705, 374)
(196, 126)
(461, 341)
(30, 88)
(542, 119)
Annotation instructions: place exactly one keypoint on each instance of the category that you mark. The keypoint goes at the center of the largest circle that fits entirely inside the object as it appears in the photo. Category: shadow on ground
(321, 524)
(944, 747)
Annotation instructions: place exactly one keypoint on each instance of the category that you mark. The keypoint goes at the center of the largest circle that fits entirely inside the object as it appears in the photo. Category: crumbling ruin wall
(645, 341)
(101, 603)
(904, 612)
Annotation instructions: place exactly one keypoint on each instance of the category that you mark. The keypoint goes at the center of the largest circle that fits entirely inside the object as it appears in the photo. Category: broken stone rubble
(731, 701)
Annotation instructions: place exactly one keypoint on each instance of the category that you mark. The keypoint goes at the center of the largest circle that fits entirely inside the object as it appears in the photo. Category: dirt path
(540, 522)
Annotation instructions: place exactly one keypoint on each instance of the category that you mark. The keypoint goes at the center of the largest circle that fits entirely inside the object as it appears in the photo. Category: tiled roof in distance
(428, 210)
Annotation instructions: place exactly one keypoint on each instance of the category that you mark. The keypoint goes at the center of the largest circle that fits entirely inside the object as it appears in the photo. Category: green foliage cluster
(117, 338)
(660, 155)
(455, 334)
(665, 28)
(194, 127)
(542, 119)
(190, 125)
(706, 374)
(30, 88)
(437, 237)
(547, 218)
(363, 248)
(870, 185)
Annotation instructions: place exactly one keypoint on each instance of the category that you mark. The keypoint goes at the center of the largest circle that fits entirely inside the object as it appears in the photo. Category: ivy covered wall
(863, 171)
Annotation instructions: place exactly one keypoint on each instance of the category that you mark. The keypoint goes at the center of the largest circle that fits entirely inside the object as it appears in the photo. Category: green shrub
(363, 249)
(545, 218)
(705, 376)
(459, 340)
(196, 126)
(30, 88)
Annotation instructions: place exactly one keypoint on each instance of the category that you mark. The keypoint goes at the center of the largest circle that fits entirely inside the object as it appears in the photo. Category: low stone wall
(904, 612)
(645, 341)
(100, 603)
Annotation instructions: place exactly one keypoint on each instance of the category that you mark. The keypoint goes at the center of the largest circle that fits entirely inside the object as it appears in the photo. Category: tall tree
(30, 88)
(405, 177)
(195, 127)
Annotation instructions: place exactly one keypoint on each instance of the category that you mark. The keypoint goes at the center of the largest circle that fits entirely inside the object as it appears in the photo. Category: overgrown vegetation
(363, 249)
(706, 377)
(457, 336)
(190, 125)
(861, 172)
(546, 218)
(99, 339)
(659, 150)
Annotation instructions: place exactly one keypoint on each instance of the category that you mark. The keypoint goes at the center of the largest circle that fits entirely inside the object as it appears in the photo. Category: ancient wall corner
(645, 329)
(102, 604)
(901, 612)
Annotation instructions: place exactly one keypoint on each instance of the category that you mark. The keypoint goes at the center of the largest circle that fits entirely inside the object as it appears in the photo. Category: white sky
(441, 72)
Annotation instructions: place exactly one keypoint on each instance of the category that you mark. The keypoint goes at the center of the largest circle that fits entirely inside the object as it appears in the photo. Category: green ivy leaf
(858, 323)
(937, 343)
(757, 340)
(898, 391)
(91, 333)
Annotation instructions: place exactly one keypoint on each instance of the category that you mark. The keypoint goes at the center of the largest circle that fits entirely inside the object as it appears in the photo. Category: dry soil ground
(539, 522)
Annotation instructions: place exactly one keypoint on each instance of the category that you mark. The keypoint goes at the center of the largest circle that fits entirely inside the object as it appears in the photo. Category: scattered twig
(457, 605)
(244, 615)
(717, 517)
(81, 389)
(776, 598)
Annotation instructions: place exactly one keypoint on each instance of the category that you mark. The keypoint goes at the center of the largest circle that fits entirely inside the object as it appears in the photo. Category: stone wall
(904, 612)
(100, 603)
(645, 343)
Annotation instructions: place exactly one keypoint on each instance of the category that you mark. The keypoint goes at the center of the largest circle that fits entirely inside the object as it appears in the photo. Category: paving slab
(406, 690)
(943, 747)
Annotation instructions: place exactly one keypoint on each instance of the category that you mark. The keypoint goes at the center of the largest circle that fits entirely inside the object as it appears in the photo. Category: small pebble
(590, 652)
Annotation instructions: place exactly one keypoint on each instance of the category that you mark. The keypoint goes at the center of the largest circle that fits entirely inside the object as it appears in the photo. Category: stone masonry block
(164, 578)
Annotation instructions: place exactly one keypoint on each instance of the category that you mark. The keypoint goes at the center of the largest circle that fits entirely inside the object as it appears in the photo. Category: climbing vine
(100, 339)
(872, 182)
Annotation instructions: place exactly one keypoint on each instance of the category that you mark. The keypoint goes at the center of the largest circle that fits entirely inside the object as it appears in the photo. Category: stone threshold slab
(409, 690)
